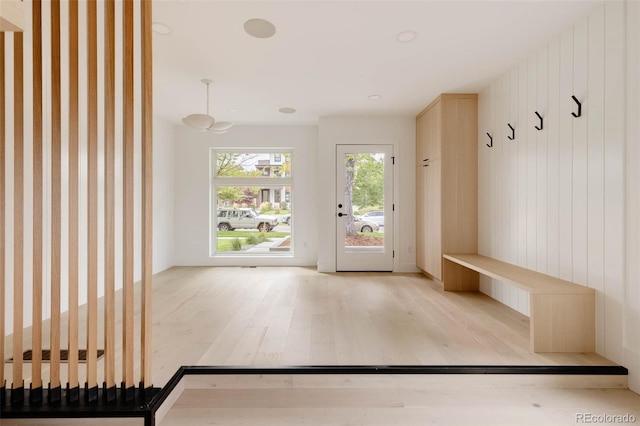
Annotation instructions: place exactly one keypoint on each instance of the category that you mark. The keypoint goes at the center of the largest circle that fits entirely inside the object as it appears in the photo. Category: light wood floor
(297, 316)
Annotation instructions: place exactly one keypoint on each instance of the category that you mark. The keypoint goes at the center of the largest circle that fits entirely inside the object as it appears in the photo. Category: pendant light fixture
(206, 122)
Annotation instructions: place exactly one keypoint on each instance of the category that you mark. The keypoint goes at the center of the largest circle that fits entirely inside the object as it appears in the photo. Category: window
(251, 203)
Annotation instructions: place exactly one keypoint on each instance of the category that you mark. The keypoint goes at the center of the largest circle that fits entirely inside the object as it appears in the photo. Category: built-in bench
(562, 314)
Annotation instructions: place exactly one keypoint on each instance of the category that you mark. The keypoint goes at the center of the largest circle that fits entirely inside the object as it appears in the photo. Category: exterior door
(364, 208)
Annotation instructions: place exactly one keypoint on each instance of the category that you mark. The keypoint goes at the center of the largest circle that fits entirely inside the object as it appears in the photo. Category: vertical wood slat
(2, 207)
(92, 225)
(147, 193)
(109, 193)
(36, 330)
(128, 195)
(56, 194)
(73, 194)
(18, 209)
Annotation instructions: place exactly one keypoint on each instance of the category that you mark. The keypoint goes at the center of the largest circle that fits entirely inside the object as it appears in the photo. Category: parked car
(376, 216)
(286, 219)
(365, 225)
(230, 218)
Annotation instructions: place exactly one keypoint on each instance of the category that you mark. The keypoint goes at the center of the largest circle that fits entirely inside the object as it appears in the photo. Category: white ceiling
(327, 57)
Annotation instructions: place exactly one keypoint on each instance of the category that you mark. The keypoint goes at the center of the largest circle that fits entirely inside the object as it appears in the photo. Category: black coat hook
(541, 122)
(513, 132)
(491, 139)
(579, 107)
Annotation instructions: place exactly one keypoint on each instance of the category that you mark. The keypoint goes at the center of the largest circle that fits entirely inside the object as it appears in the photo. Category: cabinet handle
(426, 159)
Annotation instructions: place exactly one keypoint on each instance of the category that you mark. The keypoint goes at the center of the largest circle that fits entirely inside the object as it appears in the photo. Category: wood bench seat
(562, 313)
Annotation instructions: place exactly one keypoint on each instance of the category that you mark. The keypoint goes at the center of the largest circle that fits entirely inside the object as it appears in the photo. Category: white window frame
(261, 181)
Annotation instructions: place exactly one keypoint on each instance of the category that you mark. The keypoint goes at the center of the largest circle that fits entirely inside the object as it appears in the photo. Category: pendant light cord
(208, 98)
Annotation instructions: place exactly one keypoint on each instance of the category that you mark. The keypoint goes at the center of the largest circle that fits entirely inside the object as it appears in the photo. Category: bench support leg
(456, 277)
(562, 323)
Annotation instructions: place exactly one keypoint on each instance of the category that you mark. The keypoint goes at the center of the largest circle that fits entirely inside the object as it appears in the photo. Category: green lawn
(224, 245)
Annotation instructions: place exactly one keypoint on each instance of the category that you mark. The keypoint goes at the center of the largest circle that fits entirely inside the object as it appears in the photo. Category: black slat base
(76, 405)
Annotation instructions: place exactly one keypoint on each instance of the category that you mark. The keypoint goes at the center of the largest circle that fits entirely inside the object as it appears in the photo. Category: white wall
(632, 230)
(554, 200)
(192, 187)
(163, 178)
(398, 131)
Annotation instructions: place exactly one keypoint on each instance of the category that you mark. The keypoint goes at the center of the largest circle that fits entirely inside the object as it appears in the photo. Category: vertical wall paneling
(56, 194)
(18, 212)
(38, 182)
(532, 152)
(147, 193)
(565, 160)
(552, 129)
(2, 208)
(128, 195)
(484, 156)
(595, 164)
(92, 208)
(513, 172)
(522, 164)
(73, 225)
(499, 154)
(109, 192)
(542, 160)
(506, 167)
(568, 179)
(580, 151)
(614, 169)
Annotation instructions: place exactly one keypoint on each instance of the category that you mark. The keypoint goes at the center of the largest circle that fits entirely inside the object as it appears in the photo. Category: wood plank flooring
(297, 316)
(393, 400)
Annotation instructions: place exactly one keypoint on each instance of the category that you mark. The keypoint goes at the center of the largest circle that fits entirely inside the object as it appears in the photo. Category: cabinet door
(421, 176)
(422, 135)
(434, 132)
(433, 219)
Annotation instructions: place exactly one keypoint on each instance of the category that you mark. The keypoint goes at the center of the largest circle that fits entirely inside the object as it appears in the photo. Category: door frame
(383, 260)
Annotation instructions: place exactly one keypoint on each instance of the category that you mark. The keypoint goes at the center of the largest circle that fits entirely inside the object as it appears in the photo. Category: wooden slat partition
(18, 208)
(36, 330)
(128, 195)
(73, 194)
(147, 192)
(2, 206)
(49, 155)
(56, 194)
(92, 227)
(109, 193)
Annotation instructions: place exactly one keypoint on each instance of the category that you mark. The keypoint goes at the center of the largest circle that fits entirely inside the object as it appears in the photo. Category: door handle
(341, 214)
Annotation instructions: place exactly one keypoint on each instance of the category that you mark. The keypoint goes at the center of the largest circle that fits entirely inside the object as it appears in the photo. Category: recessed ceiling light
(287, 110)
(259, 28)
(160, 28)
(375, 97)
(406, 36)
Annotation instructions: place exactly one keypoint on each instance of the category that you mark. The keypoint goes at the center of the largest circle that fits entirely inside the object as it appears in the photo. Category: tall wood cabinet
(446, 180)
